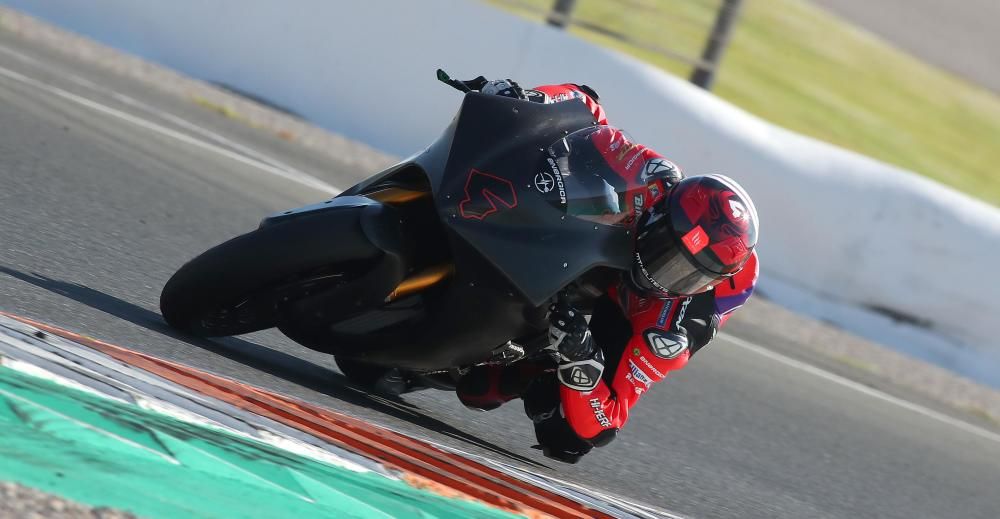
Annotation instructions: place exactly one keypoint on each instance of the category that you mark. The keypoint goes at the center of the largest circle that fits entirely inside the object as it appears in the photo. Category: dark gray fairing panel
(334, 204)
(487, 195)
(510, 258)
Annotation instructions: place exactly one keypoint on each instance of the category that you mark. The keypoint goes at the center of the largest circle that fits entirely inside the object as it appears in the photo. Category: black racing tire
(253, 266)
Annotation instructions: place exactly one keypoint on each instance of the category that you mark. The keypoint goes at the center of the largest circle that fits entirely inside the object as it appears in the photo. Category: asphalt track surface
(102, 197)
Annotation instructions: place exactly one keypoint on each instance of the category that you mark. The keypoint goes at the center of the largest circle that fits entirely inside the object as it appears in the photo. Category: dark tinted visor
(674, 273)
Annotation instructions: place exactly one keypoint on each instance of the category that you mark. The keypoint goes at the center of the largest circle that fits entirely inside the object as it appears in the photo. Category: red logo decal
(731, 250)
(695, 240)
(482, 194)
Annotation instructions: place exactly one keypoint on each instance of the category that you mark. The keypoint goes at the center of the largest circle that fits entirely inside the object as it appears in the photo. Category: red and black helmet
(703, 231)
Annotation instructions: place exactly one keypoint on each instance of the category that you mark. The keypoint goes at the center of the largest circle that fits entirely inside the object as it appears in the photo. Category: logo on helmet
(557, 176)
(737, 210)
(648, 277)
(695, 240)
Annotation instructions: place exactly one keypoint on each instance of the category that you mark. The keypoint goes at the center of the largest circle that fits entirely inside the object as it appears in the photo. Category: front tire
(241, 285)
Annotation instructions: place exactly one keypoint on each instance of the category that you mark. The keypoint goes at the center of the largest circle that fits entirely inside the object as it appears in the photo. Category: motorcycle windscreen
(539, 225)
(576, 178)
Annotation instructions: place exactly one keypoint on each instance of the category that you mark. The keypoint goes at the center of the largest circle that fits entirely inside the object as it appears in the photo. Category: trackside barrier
(838, 229)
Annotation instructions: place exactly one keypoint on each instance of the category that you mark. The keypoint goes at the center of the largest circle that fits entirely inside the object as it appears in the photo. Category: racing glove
(581, 362)
(503, 87)
(500, 87)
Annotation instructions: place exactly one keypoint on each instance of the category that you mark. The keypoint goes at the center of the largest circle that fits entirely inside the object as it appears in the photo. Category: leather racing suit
(642, 337)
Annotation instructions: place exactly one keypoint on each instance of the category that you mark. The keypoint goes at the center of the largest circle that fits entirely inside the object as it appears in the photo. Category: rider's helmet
(702, 231)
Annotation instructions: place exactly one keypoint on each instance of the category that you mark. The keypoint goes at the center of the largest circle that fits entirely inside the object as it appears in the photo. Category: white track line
(874, 393)
(102, 90)
(295, 176)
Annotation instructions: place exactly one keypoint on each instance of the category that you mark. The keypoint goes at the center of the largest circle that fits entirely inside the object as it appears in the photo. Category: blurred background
(861, 380)
(913, 83)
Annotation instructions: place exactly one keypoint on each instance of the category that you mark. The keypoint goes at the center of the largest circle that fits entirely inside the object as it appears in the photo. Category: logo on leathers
(638, 374)
(579, 377)
(602, 418)
(665, 345)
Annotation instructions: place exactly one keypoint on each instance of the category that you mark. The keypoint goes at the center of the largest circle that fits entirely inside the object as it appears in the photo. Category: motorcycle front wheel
(241, 286)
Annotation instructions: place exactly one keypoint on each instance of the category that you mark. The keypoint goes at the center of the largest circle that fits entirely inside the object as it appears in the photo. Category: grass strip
(799, 67)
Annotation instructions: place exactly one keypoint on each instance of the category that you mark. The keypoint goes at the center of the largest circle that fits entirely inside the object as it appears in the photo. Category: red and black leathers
(643, 337)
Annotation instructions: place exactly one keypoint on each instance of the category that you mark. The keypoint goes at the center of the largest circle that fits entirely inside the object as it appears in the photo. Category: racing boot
(394, 382)
(378, 379)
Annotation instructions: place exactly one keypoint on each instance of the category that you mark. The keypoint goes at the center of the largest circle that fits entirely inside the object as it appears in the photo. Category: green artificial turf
(802, 68)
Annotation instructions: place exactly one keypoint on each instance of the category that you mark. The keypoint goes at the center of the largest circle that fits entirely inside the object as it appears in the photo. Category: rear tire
(239, 286)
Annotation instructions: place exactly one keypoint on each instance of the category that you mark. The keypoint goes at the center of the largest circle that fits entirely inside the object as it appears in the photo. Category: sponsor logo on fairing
(666, 345)
(558, 179)
(486, 194)
(544, 182)
(638, 204)
(602, 418)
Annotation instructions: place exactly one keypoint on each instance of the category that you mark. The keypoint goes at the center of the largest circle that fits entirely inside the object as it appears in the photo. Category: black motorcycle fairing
(494, 148)
(511, 247)
(487, 195)
(577, 179)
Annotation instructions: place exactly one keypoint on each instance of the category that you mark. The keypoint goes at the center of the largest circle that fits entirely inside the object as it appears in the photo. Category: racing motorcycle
(445, 260)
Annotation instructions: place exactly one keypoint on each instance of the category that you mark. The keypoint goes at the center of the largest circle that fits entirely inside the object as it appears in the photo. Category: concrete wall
(838, 229)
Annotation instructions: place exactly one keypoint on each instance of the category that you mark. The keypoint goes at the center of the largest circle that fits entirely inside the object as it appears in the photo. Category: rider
(694, 264)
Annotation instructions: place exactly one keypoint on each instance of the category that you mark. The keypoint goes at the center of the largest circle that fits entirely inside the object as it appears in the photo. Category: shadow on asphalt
(262, 358)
